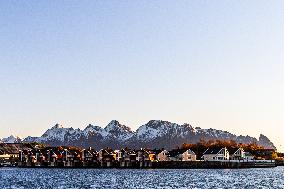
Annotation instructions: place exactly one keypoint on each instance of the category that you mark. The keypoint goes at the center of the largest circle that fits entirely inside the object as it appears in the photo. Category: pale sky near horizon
(213, 64)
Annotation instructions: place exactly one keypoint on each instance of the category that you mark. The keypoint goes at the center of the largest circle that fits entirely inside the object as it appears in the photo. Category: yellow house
(5, 156)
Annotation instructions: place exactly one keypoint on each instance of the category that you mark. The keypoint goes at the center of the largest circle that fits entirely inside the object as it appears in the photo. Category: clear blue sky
(216, 64)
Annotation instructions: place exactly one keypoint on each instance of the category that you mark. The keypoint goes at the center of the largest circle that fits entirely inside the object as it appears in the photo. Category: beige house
(163, 156)
(188, 155)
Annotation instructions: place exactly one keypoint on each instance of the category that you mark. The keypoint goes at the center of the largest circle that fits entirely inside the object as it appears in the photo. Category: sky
(213, 64)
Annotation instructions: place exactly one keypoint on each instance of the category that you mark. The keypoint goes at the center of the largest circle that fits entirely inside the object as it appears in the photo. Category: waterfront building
(164, 156)
(237, 154)
(52, 156)
(182, 155)
(248, 156)
(10, 151)
(216, 154)
(188, 155)
(89, 155)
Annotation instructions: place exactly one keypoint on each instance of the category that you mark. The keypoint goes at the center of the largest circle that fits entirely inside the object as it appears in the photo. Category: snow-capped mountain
(156, 128)
(11, 139)
(154, 134)
(118, 131)
(91, 130)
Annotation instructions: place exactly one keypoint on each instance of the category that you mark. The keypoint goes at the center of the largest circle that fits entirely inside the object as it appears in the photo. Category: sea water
(141, 178)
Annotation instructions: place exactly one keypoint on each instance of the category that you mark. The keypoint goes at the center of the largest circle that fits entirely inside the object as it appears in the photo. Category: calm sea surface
(144, 178)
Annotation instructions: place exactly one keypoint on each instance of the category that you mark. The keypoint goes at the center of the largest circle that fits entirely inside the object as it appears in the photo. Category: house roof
(166, 151)
(233, 150)
(131, 152)
(212, 151)
(157, 151)
(53, 150)
(176, 152)
(248, 154)
(91, 151)
(190, 151)
(107, 151)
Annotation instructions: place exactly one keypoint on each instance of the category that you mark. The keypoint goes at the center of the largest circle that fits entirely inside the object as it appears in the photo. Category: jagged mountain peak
(58, 133)
(92, 127)
(57, 126)
(11, 139)
(117, 131)
(160, 128)
(166, 125)
(114, 126)
(160, 124)
(263, 137)
(187, 125)
(264, 141)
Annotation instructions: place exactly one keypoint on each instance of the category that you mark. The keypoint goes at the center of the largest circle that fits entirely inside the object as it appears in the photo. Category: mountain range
(154, 134)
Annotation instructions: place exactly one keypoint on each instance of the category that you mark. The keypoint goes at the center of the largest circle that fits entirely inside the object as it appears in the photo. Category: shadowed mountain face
(154, 134)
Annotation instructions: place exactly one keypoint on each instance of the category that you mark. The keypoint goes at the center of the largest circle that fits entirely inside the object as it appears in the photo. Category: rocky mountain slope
(154, 134)
(11, 139)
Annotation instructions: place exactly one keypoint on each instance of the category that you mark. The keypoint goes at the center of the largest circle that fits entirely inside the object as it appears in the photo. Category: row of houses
(9, 152)
(218, 154)
(71, 156)
(211, 154)
(65, 156)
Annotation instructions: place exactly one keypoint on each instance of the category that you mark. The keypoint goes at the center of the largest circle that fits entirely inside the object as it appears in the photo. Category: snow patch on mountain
(147, 133)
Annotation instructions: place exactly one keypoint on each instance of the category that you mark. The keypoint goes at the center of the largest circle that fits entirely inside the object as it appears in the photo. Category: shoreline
(157, 165)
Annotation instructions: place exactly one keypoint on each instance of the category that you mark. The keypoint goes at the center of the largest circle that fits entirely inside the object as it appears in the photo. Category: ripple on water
(141, 178)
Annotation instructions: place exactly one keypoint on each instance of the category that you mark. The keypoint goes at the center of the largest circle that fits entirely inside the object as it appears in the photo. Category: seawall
(156, 164)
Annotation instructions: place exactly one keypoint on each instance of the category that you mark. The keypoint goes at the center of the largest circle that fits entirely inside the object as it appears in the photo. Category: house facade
(163, 156)
(248, 156)
(10, 151)
(188, 155)
(216, 154)
(237, 154)
(181, 155)
(89, 155)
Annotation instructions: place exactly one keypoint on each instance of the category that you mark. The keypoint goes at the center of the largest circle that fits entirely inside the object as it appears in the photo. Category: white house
(237, 154)
(178, 155)
(216, 154)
